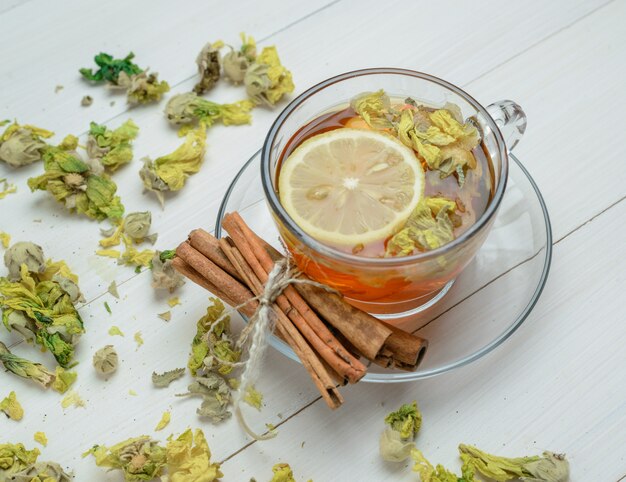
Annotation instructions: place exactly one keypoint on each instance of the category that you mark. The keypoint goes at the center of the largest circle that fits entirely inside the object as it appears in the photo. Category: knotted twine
(259, 328)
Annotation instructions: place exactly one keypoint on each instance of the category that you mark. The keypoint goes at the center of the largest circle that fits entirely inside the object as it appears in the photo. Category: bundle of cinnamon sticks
(328, 335)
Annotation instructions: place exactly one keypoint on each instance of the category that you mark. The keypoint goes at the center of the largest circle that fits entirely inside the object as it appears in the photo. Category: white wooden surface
(559, 383)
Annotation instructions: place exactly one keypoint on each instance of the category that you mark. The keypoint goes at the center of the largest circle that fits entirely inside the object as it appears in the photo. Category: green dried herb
(64, 379)
(139, 458)
(282, 473)
(112, 148)
(42, 472)
(215, 395)
(439, 474)
(23, 252)
(267, 80)
(374, 108)
(188, 108)
(6, 188)
(40, 306)
(163, 380)
(15, 458)
(12, 407)
(549, 467)
(143, 88)
(109, 68)
(74, 183)
(105, 360)
(22, 145)
(253, 397)
(396, 442)
(25, 369)
(236, 62)
(169, 172)
(164, 276)
(208, 62)
(189, 458)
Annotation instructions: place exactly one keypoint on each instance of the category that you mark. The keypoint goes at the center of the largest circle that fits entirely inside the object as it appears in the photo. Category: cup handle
(510, 119)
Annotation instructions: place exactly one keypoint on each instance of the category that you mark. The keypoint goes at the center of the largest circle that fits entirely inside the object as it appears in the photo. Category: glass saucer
(488, 301)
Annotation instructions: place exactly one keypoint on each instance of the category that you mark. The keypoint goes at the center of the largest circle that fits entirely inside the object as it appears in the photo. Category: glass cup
(393, 287)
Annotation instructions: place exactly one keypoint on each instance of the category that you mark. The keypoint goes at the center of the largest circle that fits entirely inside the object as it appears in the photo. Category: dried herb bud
(105, 360)
(42, 471)
(86, 101)
(164, 276)
(208, 62)
(23, 252)
(22, 145)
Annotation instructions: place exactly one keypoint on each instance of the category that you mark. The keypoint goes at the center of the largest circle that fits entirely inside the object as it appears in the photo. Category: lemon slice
(351, 186)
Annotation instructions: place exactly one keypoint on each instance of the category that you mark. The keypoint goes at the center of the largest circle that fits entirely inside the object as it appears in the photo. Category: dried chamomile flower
(40, 437)
(374, 108)
(208, 62)
(86, 101)
(22, 145)
(6, 188)
(105, 360)
(27, 253)
(139, 458)
(64, 379)
(143, 88)
(38, 307)
(110, 68)
(112, 148)
(430, 226)
(215, 395)
(42, 472)
(164, 422)
(25, 368)
(219, 340)
(396, 442)
(236, 62)
(15, 458)
(189, 458)
(188, 108)
(12, 407)
(164, 276)
(72, 182)
(549, 467)
(267, 80)
(253, 397)
(163, 380)
(439, 474)
(169, 172)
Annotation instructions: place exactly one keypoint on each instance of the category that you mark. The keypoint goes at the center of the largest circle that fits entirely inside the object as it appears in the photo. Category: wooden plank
(558, 385)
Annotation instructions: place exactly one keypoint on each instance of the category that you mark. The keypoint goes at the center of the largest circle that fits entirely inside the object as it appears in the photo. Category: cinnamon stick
(313, 329)
(209, 246)
(288, 331)
(347, 371)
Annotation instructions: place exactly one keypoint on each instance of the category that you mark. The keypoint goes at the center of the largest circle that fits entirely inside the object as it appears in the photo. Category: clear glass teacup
(390, 287)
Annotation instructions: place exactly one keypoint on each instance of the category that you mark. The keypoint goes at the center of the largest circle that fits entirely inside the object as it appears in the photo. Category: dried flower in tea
(42, 472)
(12, 407)
(14, 458)
(25, 368)
(105, 360)
(169, 172)
(139, 458)
(189, 458)
(22, 145)
(112, 148)
(267, 80)
(208, 62)
(163, 380)
(72, 182)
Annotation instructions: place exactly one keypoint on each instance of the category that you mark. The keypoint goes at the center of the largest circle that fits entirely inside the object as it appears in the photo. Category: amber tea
(384, 177)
